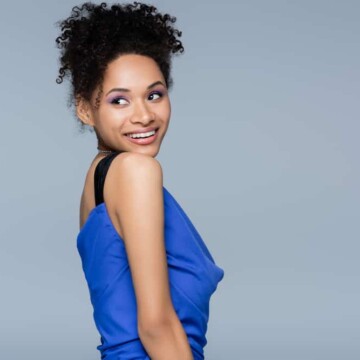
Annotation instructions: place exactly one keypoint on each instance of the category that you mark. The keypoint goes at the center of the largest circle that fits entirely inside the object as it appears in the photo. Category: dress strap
(99, 176)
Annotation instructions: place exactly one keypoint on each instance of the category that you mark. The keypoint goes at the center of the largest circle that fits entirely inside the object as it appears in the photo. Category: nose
(142, 113)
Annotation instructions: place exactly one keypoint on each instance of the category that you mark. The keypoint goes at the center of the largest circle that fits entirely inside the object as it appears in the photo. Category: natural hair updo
(94, 35)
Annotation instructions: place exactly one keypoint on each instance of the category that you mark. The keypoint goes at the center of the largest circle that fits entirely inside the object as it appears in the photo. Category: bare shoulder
(131, 170)
(132, 161)
(131, 178)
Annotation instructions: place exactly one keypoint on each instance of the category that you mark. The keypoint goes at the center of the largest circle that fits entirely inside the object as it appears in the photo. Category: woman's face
(134, 100)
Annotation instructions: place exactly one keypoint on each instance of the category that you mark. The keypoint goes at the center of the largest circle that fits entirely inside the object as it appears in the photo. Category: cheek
(110, 118)
(166, 111)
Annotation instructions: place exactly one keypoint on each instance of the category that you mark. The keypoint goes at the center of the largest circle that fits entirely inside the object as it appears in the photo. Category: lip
(139, 131)
(143, 141)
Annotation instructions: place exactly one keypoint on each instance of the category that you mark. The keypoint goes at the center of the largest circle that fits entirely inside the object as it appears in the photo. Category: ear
(83, 111)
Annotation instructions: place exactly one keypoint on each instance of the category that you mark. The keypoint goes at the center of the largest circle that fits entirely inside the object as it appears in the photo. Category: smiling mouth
(146, 140)
(153, 132)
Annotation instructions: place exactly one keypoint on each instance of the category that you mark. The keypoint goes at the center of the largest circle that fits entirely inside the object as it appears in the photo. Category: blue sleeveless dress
(193, 276)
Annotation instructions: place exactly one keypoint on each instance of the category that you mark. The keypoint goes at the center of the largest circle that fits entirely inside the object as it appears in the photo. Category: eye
(117, 101)
(156, 93)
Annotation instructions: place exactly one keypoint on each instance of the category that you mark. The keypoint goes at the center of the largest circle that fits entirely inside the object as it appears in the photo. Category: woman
(149, 273)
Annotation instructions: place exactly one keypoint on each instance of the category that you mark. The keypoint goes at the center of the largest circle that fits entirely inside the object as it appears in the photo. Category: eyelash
(115, 100)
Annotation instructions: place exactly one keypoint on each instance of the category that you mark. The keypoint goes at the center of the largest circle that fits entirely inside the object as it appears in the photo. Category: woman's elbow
(156, 325)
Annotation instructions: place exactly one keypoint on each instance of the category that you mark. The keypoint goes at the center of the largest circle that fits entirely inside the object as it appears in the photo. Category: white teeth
(142, 135)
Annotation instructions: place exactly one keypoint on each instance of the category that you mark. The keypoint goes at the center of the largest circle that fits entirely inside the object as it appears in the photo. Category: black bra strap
(99, 176)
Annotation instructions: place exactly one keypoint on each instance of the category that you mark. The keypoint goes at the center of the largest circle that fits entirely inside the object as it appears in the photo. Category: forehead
(131, 71)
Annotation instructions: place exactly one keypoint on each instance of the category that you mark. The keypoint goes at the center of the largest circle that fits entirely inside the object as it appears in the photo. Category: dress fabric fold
(193, 277)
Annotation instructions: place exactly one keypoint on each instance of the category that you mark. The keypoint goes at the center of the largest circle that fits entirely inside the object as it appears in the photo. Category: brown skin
(133, 194)
(138, 109)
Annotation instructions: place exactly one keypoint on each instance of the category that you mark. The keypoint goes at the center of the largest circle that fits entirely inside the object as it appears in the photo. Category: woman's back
(193, 274)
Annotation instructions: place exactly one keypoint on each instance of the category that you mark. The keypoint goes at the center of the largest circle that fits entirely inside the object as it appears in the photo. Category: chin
(150, 152)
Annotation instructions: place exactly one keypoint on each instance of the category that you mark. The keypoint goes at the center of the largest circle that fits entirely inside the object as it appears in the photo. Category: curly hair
(94, 35)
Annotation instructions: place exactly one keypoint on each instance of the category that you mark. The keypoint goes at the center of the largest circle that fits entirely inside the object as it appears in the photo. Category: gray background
(262, 153)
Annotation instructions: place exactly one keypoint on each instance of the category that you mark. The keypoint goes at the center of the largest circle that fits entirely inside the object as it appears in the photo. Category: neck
(103, 150)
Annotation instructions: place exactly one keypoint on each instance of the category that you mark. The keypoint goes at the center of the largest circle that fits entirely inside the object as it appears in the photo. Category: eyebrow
(128, 90)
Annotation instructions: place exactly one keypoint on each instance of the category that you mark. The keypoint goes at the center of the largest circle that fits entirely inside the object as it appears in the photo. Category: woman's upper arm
(135, 193)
